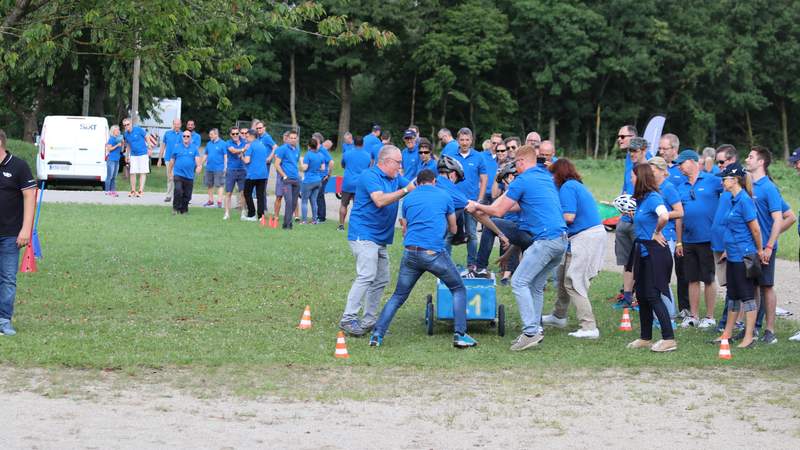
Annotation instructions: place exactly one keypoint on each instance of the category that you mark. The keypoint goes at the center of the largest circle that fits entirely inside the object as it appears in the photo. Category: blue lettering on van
(88, 127)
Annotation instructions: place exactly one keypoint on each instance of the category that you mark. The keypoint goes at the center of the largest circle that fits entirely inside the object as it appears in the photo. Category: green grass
(603, 177)
(112, 293)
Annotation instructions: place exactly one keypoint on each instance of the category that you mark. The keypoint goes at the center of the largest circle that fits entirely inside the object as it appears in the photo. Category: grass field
(111, 292)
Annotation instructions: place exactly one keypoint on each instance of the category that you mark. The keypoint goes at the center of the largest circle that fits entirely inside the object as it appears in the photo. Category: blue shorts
(278, 187)
(235, 176)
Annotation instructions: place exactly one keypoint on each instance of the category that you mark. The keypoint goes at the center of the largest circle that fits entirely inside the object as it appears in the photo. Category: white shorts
(140, 164)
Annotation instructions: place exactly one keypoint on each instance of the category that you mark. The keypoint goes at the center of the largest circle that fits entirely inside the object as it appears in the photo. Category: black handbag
(752, 266)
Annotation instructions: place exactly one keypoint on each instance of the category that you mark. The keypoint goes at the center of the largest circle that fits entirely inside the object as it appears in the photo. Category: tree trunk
(539, 116)
(472, 122)
(413, 99)
(137, 65)
(597, 132)
(443, 119)
(749, 127)
(784, 128)
(346, 89)
(552, 130)
(292, 91)
(588, 145)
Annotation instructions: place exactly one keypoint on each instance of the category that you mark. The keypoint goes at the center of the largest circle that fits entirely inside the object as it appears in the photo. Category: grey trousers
(372, 276)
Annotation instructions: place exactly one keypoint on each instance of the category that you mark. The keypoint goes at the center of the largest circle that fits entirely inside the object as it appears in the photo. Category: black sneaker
(340, 228)
(482, 273)
(769, 337)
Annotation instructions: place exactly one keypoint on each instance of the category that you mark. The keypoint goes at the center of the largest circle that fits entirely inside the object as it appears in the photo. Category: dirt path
(499, 410)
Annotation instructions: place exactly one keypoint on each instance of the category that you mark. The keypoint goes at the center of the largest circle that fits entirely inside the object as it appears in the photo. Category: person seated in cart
(429, 214)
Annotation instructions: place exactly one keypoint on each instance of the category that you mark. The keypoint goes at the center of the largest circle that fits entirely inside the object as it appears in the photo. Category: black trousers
(260, 187)
(321, 210)
(291, 191)
(182, 195)
(683, 285)
(650, 302)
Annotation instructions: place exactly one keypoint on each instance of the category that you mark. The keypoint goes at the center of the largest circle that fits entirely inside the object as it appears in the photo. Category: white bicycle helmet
(625, 203)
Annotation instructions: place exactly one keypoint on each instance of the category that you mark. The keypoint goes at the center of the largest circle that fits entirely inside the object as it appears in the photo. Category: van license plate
(59, 167)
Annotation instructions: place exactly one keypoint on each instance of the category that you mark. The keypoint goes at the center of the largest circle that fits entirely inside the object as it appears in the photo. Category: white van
(160, 121)
(72, 149)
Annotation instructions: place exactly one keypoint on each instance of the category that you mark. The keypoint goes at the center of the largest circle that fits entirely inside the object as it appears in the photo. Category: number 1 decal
(476, 302)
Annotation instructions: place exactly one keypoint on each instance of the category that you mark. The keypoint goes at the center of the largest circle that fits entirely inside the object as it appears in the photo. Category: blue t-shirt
(491, 171)
(315, 162)
(172, 139)
(234, 159)
(372, 144)
(718, 225)
(426, 210)
(676, 177)
(114, 154)
(135, 139)
(430, 165)
(768, 200)
(645, 220)
(289, 156)
(410, 162)
(627, 182)
(671, 196)
(196, 139)
(474, 166)
(185, 164)
(355, 161)
(458, 197)
(576, 199)
(738, 239)
(450, 149)
(257, 167)
(540, 206)
(367, 221)
(699, 205)
(215, 155)
(326, 160)
(347, 147)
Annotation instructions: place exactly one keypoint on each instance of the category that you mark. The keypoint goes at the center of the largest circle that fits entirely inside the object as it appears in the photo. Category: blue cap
(687, 155)
(795, 156)
(409, 134)
(376, 127)
(733, 170)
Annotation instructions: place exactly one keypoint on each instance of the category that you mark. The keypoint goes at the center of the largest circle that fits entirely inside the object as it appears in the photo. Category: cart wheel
(429, 317)
(338, 195)
(501, 320)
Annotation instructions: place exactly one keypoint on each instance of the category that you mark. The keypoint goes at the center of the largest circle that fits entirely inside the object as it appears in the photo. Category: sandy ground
(505, 410)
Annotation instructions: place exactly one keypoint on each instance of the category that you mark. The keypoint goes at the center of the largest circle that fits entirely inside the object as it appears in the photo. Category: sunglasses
(501, 150)
(721, 161)
(512, 147)
(424, 152)
(623, 136)
(234, 134)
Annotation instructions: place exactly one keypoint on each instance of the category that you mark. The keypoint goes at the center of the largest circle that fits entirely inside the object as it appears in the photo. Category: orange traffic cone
(724, 349)
(273, 221)
(625, 324)
(341, 347)
(28, 260)
(263, 220)
(305, 321)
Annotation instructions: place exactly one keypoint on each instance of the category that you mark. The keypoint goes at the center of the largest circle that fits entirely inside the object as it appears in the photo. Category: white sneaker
(554, 321)
(226, 216)
(707, 322)
(250, 219)
(795, 337)
(689, 322)
(586, 334)
(244, 215)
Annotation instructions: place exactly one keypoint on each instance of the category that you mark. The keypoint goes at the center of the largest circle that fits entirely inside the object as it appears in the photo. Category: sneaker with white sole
(482, 273)
(640, 343)
(795, 337)
(585, 334)
(553, 321)
(226, 216)
(524, 342)
(463, 341)
(689, 322)
(250, 219)
(664, 345)
(684, 313)
(707, 322)
(769, 337)
(6, 329)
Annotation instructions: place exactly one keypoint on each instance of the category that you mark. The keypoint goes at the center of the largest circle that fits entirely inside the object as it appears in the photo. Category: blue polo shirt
(410, 162)
(768, 200)
(171, 139)
(257, 167)
(267, 140)
(114, 154)
(718, 225)
(196, 139)
(372, 144)
(671, 196)
(450, 149)
(185, 164)
(355, 161)
(135, 139)
(491, 171)
(215, 155)
(430, 165)
(738, 239)
(347, 147)
(474, 166)
(699, 206)
(627, 183)
(676, 177)
(367, 221)
(458, 197)
(576, 199)
(234, 160)
(289, 156)
(645, 219)
(426, 210)
(315, 162)
(326, 160)
(540, 206)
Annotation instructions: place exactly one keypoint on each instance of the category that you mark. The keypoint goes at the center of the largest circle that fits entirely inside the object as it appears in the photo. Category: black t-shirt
(15, 177)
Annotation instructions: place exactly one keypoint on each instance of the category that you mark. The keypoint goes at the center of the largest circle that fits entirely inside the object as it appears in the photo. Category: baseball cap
(795, 156)
(637, 143)
(687, 155)
(409, 134)
(376, 127)
(658, 162)
(732, 170)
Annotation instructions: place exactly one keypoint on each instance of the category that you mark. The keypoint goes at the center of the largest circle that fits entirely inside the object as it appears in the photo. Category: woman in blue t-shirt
(650, 261)
(312, 165)
(742, 236)
(113, 153)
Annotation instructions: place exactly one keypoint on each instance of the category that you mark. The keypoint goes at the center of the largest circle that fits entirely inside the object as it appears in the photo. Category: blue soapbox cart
(481, 304)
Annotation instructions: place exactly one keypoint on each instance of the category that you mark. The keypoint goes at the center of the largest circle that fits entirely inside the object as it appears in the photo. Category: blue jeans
(308, 194)
(529, 279)
(471, 229)
(413, 265)
(520, 238)
(112, 167)
(9, 259)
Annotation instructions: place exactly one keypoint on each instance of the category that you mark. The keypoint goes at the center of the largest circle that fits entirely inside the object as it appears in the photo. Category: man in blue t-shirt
(170, 139)
(184, 162)
(371, 230)
(372, 142)
(286, 159)
(327, 170)
(255, 161)
(534, 194)
(196, 140)
(136, 144)
(473, 186)
(347, 142)
(449, 144)
(235, 174)
(355, 161)
(699, 194)
(410, 155)
(428, 214)
(214, 159)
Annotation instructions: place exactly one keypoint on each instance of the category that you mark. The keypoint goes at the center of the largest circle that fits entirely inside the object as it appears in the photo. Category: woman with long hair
(651, 261)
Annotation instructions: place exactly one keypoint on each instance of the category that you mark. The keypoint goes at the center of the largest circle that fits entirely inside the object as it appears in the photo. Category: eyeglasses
(234, 134)
(501, 150)
(187, 136)
(397, 161)
(424, 153)
(721, 161)
(512, 147)
(623, 136)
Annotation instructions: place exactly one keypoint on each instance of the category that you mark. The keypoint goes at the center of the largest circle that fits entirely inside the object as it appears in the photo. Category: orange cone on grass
(341, 347)
(625, 324)
(724, 349)
(273, 221)
(28, 260)
(305, 321)
(263, 220)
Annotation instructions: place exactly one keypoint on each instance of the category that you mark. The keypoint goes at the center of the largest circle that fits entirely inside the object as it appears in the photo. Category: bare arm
(497, 209)
(789, 219)
(382, 199)
(198, 164)
(569, 218)
(677, 211)
(777, 223)
(278, 167)
(452, 227)
(755, 230)
(482, 189)
(28, 209)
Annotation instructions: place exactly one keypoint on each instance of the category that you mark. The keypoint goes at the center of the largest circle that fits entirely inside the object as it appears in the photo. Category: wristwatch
(405, 190)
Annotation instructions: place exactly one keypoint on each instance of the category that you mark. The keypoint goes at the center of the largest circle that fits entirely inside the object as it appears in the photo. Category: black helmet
(509, 168)
(449, 164)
